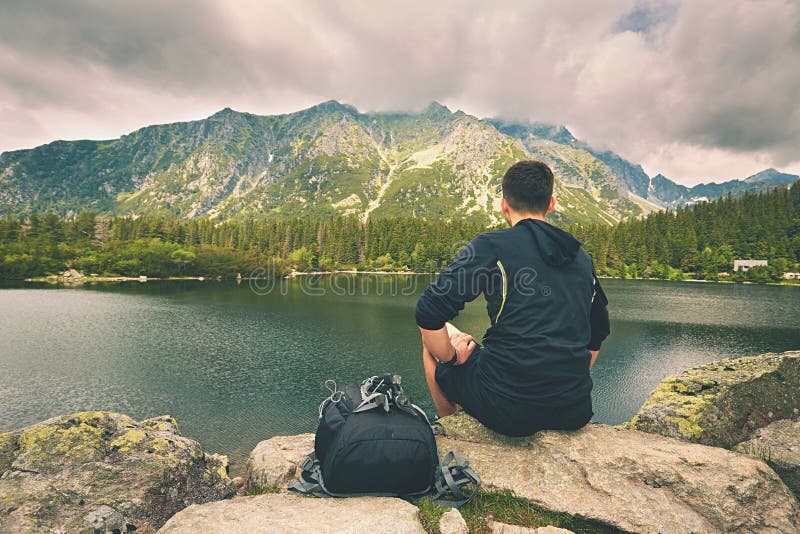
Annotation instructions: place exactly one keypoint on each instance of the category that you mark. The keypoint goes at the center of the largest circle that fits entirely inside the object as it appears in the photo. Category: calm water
(236, 366)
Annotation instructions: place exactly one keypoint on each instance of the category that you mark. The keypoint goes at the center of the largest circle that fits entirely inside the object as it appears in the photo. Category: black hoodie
(539, 286)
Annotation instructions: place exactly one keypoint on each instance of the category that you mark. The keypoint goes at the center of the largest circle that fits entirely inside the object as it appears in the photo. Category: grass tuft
(505, 507)
(429, 514)
(253, 490)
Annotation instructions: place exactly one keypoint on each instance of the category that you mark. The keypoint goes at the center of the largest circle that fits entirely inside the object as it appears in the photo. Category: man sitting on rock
(548, 318)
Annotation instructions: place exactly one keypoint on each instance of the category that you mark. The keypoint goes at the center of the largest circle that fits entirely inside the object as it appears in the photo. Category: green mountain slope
(607, 178)
(326, 160)
(627, 176)
(332, 160)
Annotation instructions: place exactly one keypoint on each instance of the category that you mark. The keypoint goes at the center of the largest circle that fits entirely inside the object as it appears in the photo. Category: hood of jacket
(556, 246)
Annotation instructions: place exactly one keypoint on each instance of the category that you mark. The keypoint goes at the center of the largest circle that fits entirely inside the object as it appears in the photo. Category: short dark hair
(528, 186)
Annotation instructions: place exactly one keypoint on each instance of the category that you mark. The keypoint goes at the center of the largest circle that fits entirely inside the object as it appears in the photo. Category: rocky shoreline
(723, 403)
(102, 471)
(716, 449)
(72, 277)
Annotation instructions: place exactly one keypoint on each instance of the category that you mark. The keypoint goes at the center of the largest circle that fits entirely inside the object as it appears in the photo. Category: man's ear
(506, 209)
(552, 205)
(504, 206)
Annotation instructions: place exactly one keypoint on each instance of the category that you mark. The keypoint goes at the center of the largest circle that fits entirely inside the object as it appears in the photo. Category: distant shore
(78, 279)
(53, 279)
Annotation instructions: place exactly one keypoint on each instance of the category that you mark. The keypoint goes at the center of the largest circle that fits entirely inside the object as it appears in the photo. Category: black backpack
(373, 440)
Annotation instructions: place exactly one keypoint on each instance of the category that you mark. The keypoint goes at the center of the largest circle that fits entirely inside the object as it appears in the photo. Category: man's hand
(441, 344)
(464, 345)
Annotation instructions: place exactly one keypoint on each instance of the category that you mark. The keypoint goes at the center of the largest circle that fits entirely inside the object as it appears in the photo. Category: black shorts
(462, 385)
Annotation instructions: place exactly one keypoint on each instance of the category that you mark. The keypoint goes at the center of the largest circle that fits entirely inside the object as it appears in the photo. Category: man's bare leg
(443, 405)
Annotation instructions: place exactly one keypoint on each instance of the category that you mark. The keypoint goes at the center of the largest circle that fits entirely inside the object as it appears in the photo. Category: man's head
(527, 191)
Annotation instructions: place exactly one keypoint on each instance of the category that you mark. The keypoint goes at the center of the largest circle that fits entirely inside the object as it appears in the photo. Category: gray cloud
(695, 89)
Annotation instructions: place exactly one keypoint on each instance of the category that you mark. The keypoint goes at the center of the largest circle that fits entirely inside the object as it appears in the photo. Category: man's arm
(598, 319)
(438, 343)
(461, 282)
(443, 345)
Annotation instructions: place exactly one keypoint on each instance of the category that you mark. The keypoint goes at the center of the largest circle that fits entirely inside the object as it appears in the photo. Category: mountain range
(331, 159)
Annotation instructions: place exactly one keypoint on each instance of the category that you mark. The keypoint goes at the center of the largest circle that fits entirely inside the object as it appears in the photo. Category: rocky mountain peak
(435, 109)
(226, 111)
(772, 176)
(333, 106)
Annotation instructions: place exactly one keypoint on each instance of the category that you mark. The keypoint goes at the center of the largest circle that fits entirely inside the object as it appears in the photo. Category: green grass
(262, 491)
(505, 507)
(757, 450)
(429, 514)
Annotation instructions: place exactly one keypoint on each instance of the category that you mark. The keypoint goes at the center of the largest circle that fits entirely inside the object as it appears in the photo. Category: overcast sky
(697, 90)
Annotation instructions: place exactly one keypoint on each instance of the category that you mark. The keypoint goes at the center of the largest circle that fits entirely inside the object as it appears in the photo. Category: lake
(236, 364)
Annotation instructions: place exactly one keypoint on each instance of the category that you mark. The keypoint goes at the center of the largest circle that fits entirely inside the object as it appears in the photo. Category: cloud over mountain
(693, 89)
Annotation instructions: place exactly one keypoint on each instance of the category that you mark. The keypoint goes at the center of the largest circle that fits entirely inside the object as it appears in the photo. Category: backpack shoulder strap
(310, 481)
(452, 479)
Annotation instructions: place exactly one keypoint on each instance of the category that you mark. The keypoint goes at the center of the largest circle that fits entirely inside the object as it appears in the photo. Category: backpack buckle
(308, 462)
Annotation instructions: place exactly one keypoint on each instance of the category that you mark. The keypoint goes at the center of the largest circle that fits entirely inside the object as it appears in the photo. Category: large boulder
(778, 444)
(276, 461)
(452, 522)
(285, 512)
(634, 481)
(102, 471)
(724, 402)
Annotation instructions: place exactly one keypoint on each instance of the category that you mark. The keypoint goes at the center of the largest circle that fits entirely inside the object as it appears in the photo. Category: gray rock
(283, 512)
(276, 461)
(778, 444)
(452, 522)
(220, 460)
(630, 480)
(723, 403)
(72, 273)
(102, 471)
(502, 528)
(104, 519)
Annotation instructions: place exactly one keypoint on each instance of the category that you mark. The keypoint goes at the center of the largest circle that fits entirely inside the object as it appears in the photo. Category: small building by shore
(745, 265)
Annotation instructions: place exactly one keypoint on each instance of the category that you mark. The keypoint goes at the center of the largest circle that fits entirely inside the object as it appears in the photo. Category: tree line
(161, 247)
(701, 241)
